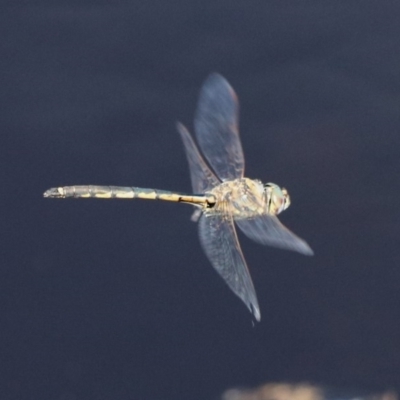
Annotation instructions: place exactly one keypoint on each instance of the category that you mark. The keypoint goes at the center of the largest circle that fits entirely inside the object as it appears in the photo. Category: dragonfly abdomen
(125, 192)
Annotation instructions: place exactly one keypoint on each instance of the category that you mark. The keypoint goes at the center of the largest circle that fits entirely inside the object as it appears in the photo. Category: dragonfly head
(276, 199)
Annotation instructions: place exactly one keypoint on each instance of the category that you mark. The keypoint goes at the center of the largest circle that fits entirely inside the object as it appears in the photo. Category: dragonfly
(222, 196)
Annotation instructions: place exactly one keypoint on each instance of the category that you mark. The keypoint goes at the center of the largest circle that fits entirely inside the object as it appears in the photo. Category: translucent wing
(216, 127)
(202, 177)
(220, 243)
(270, 231)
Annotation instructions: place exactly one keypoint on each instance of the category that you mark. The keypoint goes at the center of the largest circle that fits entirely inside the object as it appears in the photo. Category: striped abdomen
(120, 192)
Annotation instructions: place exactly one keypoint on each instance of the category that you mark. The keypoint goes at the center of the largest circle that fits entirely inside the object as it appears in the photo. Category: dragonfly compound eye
(286, 199)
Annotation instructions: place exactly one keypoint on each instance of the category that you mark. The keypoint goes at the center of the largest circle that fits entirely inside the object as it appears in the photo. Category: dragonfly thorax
(241, 198)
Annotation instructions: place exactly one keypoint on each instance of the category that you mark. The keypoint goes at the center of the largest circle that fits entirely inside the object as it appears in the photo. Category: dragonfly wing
(216, 127)
(203, 179)
(268, 230)
(219, 240)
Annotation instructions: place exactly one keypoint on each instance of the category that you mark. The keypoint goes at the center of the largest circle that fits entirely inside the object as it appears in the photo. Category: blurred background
(116, 300)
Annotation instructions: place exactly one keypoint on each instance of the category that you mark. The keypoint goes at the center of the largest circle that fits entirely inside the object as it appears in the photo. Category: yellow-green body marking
(125, 192)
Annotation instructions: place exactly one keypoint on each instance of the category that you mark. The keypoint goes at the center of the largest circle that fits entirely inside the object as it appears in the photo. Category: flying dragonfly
(222, 195)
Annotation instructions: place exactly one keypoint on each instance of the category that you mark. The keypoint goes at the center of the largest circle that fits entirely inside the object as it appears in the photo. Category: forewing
(270, 231)
(219, 240)
(202, 177)
(216, 127)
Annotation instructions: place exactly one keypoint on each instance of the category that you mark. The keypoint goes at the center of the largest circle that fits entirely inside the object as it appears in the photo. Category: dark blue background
(114, 299)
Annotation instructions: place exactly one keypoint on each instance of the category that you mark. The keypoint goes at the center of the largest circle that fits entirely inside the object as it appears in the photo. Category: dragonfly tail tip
(53, 192)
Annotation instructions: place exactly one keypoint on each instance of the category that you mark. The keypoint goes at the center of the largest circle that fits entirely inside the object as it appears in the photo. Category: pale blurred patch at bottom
(302, 391)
